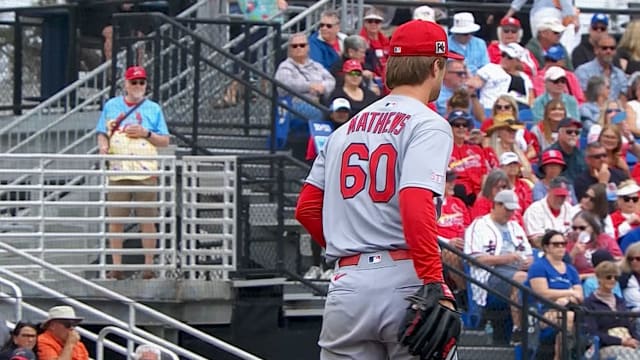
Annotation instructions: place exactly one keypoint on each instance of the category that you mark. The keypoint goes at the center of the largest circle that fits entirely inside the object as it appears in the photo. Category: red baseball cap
(351, 65)
(510, 21)
(135, 72)
(421, 38)
(559, 186)
(552, 157)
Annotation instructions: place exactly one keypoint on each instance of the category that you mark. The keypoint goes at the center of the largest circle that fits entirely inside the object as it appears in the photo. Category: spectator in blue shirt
(326, 44)
(602, 65)
(590, 283)
(462, 41)
(555, 280)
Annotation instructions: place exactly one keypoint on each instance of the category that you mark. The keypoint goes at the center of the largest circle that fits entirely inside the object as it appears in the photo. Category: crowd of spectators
(539, 187)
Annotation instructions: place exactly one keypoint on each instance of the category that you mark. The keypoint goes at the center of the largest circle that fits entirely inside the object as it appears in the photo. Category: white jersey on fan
(396, 142)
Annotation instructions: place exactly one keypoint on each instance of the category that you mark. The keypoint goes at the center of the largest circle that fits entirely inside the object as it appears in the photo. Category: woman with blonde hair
(630, 279)
(611, 139)
(617, 338)
(507, 105)
(502, 139)
(628, 53)
(546, 131)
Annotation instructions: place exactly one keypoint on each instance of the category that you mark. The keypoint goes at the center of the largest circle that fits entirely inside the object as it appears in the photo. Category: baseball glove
(431, 330)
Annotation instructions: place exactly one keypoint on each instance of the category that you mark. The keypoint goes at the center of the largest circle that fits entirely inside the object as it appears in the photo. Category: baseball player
(369, 199)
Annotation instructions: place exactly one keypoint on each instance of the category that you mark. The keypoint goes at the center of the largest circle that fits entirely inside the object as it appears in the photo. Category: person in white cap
(378, 43)
(627, 216)
(462, 41)
(499, 242)
(60, 340)
(563, 10)
(510, 164)
(555, 85)
(494, 80)
(549, 32)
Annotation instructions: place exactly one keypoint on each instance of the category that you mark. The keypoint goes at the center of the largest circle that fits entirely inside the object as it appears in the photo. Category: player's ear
(438, 66)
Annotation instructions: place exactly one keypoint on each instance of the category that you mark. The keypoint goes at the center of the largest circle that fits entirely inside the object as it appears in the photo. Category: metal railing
(134, 308)
(67, 222)
(209, 208)
(17, 295)
(131, 338)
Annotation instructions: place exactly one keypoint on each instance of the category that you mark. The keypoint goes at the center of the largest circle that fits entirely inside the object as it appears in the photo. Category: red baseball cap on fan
(351, 65)
(135, 72)
(510, 21)
(421, 38)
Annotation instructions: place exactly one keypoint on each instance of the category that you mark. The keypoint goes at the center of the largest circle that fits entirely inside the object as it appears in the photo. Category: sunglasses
(28, 336)
(572, 132)
(598, 28)
(610, 48)
(559, 81)
(354, 73)
(503, 107)
(611, 277)
(598, 156)
(68, 323)
(627, 198)
(459, 73)
(609, 111)
(511, 30)
(588, 197)
(328, 26)
(138, 82)
(373, 21)
(633, 258)
(459, 125)
(556, 33)
(581, 228)
(301, 45)
(558, 244)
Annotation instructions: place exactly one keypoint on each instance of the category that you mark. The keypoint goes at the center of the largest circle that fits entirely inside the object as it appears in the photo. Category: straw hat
(501, 121)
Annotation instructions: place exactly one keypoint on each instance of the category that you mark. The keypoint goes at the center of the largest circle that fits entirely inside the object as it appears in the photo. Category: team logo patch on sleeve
(374, 259)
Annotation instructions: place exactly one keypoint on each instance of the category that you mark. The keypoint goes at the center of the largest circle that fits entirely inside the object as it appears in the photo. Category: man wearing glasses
(567, 144)
(597, 170)
(603, 65)
(60, 340)
(584, 52)
(325, 45)
(132, 124)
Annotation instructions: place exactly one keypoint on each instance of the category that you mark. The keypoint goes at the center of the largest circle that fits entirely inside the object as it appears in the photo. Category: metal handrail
(83, 332)
(125, 334)
(133, 307)
(18, 296)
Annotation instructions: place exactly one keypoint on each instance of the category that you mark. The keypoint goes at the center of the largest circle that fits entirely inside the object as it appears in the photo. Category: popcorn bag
(121, 144)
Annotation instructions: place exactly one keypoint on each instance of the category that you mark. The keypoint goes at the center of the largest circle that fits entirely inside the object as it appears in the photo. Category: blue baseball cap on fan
(460, 115)
(599, 18)
(555, 53)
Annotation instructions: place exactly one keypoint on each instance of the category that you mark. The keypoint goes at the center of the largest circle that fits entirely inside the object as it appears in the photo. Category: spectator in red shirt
(587, 237)
(495, 181)
(377, 41)
(627, 216)
(510, 164)
(468, 161)
(453, 220)
(510, 31)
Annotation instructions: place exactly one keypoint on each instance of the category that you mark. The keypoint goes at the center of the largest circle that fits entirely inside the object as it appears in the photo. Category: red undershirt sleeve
(418, 215)
(309, 212)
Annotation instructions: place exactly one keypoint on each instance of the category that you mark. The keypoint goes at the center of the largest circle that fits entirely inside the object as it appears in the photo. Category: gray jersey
(396, 142)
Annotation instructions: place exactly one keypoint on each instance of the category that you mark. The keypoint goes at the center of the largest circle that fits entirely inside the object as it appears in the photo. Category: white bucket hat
(61, 313)
(464, 23)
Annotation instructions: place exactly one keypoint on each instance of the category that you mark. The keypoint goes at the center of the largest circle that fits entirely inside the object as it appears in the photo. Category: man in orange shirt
(60, 340)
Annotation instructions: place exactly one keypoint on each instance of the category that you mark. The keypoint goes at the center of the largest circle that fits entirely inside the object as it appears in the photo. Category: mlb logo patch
(374, 259)
(440, 47)
(397, 49)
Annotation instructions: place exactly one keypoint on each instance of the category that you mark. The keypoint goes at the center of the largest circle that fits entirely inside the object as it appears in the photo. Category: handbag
(121, 144)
